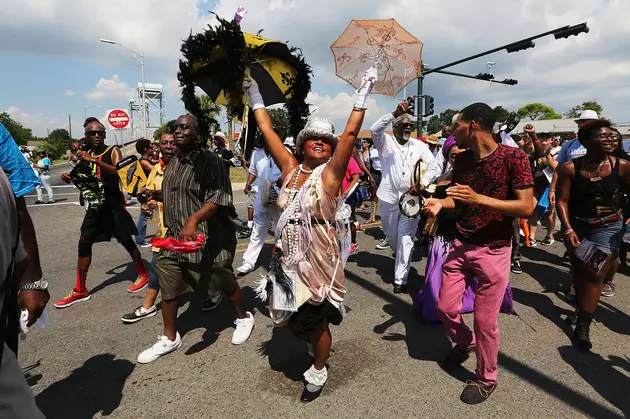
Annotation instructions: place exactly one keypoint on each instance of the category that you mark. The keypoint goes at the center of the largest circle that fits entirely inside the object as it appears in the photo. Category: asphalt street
(384, 363)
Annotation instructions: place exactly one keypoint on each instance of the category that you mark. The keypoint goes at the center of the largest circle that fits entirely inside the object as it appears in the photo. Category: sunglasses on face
(408, 125)
(95, 133)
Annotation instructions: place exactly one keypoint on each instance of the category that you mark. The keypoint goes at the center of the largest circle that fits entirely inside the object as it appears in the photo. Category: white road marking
(57, 194)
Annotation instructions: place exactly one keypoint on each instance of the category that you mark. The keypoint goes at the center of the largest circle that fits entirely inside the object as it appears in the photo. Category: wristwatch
(42, 285)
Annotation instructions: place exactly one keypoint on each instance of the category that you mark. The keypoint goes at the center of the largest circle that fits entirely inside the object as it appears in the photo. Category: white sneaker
(162, 347)
(382, 244)
(246, 268)
(244, 329)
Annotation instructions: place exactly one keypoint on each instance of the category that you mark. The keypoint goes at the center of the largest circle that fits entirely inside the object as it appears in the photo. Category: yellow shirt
(155, 182)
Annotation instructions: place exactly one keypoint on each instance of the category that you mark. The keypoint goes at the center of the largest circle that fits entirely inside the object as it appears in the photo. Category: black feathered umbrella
(218, 60)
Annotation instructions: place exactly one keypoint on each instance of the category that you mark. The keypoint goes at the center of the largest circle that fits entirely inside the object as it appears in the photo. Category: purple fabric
(425, 303)
(448, 144)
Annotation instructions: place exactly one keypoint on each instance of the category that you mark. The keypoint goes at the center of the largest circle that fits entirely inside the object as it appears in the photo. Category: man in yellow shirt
(167, 151)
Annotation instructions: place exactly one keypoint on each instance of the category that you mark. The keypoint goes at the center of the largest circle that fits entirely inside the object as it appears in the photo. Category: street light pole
(140, 58)
(85, 108)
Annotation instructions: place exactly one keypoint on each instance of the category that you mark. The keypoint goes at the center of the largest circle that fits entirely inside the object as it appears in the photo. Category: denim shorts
(606, 237)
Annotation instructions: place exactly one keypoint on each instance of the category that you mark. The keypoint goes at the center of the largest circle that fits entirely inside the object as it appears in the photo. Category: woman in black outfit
(589, 208)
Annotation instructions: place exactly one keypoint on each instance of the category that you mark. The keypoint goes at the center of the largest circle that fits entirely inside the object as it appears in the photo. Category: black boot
(581, 338)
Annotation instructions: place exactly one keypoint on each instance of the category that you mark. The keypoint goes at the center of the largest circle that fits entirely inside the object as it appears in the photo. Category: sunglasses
(406, 125)
(95, 133)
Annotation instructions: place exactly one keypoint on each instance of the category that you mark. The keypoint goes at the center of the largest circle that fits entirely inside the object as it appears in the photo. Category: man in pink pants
(492, 184)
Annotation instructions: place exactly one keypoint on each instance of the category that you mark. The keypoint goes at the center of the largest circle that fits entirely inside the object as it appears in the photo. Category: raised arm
(336, 170)
(284, 160)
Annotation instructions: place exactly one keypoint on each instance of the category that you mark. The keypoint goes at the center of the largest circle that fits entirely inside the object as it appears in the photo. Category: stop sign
(118, 119)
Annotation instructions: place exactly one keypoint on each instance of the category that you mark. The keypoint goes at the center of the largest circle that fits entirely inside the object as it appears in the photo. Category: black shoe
(516, 267)
(455, 358)
(245, 233)
(581, 338)
(400, 289)
(38, 202)
(139, 314)
(212, 303)
(476, 392)
(308, 395)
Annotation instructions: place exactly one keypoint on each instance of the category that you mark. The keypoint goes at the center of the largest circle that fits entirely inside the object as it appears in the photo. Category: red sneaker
(73, 296)
(140, 284)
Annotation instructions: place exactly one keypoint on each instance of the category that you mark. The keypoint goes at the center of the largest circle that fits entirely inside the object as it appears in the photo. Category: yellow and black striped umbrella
(272, 65)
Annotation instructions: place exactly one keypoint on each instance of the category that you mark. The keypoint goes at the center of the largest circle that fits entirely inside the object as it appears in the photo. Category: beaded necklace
(293, 226)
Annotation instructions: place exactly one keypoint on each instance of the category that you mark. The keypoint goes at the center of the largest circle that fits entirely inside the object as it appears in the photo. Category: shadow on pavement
(286, 354)
(601, 374)
(95, 387)
(429, 342)
(130, 273)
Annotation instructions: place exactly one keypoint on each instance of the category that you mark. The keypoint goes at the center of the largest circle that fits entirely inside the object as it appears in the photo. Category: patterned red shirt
(495, 176)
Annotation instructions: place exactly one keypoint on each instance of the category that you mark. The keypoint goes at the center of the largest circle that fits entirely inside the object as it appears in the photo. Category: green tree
(501, 113)
(51, 149)
(434, 124)
(20, 134)
(591, 105)
(59, 139)
(437, 122)
(280, 118)
(211, 109)
(535, 111)
(158, 132)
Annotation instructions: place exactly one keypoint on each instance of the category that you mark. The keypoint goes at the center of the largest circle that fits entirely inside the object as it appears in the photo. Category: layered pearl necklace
(293, 225)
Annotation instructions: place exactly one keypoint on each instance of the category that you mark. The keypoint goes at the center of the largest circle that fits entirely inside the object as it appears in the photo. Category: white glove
(370, 77)
(255, 98)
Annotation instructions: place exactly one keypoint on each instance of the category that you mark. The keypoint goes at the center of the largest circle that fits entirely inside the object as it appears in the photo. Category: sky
(53, 65)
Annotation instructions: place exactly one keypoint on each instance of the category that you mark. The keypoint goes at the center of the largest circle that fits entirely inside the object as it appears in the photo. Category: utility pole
(230, 133)
(70, 125)
(419, 110)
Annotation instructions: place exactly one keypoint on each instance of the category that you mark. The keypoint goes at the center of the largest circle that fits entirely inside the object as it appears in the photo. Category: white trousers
(400, 231)
(45, 179)
(259, 233)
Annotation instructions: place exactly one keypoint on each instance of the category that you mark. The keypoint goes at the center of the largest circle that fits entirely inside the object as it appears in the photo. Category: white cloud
(110, 89)
(40, 124)
(338, 109)
(561, 72)
(69, 93)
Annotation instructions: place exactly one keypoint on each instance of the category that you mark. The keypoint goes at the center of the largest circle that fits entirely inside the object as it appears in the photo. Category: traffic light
(520, 46)
(429, 105)
(510, 82)
(572, 30)
(484, 76)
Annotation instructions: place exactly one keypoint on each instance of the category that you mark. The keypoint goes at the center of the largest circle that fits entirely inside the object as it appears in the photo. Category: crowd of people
(477, 187)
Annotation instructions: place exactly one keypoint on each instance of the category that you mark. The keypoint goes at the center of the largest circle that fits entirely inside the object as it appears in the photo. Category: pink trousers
(492, 269)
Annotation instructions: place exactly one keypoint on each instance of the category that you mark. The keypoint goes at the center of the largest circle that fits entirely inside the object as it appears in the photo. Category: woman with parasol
(306, 272)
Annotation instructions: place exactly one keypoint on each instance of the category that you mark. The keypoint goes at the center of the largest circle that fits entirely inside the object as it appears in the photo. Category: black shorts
(310, 317)
(110, 220)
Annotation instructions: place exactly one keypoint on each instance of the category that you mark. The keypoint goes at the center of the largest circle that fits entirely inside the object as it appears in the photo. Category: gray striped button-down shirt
(190, 182)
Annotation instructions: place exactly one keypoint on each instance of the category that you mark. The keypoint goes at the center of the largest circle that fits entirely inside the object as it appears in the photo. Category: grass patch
(237, 175)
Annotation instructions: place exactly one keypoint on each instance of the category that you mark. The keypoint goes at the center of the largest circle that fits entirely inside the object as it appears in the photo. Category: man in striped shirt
(197, 196)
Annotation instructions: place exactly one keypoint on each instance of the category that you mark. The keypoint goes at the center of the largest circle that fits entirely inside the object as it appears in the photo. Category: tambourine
(510, 123)
(410, 205)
